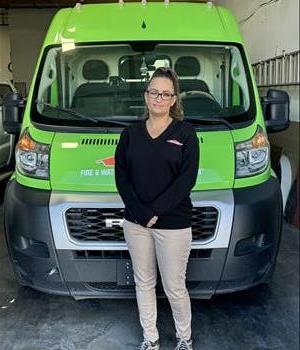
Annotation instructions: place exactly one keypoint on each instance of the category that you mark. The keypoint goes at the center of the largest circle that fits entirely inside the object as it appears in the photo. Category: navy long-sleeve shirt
(154, 176)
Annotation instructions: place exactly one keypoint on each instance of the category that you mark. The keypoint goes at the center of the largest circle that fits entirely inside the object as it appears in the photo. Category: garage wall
(27, 29)
(5, 74)
(268, 29)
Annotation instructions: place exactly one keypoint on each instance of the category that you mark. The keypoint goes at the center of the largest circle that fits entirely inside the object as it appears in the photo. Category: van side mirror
(13, 108)
(276, 109)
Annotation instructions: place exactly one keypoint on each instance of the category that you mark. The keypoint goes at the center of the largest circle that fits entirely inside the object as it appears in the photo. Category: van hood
(86, 162)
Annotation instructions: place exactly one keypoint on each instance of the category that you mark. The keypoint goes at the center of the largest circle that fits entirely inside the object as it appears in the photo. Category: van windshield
(107, 82)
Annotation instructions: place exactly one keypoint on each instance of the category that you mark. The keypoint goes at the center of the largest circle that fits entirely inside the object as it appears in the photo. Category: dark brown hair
(176, 110)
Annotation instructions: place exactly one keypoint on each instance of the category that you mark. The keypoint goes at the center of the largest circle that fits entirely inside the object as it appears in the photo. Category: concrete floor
(264, 318)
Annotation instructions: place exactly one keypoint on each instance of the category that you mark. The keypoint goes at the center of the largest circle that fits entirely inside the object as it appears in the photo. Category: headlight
(32, 158)
(252, 156)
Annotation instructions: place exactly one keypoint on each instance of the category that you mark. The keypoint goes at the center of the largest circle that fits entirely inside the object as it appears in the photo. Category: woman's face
(160, 105)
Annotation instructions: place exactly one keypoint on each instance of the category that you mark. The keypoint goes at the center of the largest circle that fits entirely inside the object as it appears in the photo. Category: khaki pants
(171, 248)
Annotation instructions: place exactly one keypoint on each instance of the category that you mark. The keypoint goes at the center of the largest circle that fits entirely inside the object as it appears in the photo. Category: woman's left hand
(152, 221)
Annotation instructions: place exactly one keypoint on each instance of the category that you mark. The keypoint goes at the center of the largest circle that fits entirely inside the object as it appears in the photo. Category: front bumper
(242, 254)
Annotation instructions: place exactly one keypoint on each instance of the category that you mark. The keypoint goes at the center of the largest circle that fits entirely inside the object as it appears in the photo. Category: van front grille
(100, 254)
(105, 224)
(115, 286)
(124, 254)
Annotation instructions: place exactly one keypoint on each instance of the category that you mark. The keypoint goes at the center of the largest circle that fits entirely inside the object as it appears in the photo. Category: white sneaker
(148, 345)
(184, 344)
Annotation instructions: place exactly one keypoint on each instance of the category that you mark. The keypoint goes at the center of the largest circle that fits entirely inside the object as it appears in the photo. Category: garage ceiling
(42, 4)
(7, 4)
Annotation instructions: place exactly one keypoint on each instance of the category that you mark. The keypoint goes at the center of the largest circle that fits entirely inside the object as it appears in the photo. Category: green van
(63, 213)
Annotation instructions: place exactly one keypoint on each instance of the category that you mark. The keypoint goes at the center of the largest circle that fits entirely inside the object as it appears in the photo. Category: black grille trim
(100, 254)
(124, 254)
(115, 286)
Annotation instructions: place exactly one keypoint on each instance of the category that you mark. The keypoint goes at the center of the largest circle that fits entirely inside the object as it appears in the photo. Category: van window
(141, 66)
(108, 81)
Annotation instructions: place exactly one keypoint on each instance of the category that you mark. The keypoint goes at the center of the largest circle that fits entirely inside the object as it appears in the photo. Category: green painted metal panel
(32, 182)
(90, 167)
(135, 21)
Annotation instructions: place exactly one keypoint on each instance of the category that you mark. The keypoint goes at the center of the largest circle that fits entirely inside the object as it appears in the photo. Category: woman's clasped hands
(152, 221)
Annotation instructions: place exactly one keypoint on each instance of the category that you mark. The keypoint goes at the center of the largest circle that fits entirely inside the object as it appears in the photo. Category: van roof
(137, 21)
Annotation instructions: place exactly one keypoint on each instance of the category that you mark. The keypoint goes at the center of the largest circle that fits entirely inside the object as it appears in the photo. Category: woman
(156, 166)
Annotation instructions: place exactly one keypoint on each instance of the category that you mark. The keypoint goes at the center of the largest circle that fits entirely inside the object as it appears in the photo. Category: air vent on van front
(99, 142)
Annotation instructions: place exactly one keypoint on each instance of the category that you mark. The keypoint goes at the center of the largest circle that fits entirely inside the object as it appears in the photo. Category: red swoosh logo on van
(110, 161)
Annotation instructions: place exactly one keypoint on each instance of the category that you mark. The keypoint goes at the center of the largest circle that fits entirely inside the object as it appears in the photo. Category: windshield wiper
(69, 112)
(210, 120)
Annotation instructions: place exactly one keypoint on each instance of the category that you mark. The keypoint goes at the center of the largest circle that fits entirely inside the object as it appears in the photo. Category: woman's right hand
(152, 221)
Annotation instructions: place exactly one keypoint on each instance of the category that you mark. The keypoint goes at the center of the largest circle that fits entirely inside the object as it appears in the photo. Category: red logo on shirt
(175, 142)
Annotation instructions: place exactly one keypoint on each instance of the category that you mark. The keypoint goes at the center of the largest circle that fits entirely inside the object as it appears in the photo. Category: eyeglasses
(165, 95)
